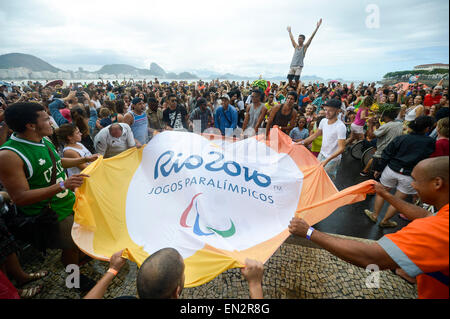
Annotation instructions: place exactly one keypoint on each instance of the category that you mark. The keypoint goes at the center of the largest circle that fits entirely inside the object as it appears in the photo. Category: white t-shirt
(331, 134)
(83, 152)
(109, 146)
(97, 104)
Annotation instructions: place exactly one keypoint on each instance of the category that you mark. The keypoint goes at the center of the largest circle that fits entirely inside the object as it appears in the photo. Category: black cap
(201, 101)
(333, 103)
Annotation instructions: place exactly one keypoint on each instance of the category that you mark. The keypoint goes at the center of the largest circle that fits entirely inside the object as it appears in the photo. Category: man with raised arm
(299, 54)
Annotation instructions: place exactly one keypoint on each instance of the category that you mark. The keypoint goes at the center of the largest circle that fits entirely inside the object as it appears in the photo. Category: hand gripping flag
(217, 201)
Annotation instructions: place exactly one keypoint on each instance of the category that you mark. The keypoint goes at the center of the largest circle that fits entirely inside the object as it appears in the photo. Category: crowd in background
(107, 118)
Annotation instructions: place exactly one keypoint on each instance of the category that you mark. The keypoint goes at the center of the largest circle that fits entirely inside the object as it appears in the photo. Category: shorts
(357, 129)
(42, 236)
(332, 167)
(295, 72)
(392, 179)
(64, 238)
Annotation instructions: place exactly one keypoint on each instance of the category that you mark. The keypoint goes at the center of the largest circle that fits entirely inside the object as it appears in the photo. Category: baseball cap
(136, 100)
(306, 100)
(225, 96)
(333, 103)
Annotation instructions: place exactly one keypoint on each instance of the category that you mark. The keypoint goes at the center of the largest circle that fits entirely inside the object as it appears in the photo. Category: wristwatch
(61, 184)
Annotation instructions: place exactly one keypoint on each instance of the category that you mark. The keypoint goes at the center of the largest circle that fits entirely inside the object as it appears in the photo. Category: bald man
(161, 276)
(421, 249)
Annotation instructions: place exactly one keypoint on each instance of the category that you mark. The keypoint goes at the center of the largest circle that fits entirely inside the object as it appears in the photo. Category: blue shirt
(225, 119)
(60, 120)
(296, 134)
(140, 127)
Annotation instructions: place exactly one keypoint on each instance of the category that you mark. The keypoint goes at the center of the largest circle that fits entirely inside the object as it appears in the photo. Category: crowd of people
(49, 134)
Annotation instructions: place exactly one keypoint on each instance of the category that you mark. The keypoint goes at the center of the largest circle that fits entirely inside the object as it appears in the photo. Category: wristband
(113, 271)
(309, 233)
(61, 184)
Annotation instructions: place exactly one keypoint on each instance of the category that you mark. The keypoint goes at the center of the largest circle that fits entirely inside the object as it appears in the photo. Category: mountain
(118, 69)
(20, 60)
(187, 76)
(156, 70)
(123, 69)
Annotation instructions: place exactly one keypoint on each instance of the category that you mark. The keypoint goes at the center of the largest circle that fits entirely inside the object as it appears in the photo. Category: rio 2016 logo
(165, 166)
(224, 233)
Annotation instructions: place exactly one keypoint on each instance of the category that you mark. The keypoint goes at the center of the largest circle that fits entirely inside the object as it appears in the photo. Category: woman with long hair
(81, 119)
(357, 127)
(70, 136)
(116, 117)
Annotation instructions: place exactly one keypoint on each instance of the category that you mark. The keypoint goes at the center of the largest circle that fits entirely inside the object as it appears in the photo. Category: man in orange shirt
(421, 249)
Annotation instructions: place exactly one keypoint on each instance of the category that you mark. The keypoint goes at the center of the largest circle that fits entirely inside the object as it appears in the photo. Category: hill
(20, 60)
(156, 70)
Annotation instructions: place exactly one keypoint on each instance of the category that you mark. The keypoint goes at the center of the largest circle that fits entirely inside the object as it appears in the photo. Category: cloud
(240, 37)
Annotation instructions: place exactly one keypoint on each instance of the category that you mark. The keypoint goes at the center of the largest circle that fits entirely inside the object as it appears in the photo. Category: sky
(358, 39)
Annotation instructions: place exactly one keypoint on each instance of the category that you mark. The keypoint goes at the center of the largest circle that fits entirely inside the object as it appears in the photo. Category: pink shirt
(358, 121)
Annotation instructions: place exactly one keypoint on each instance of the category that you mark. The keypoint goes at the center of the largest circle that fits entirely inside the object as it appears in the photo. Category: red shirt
(441, 148)
(7, 290)
(429, 100)
(421, 249)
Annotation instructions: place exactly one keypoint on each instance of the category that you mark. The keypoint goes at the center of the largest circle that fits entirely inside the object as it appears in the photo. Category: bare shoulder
(11, 162)
(71, 154)
(128, 118)
(7, 156)
(277, 107)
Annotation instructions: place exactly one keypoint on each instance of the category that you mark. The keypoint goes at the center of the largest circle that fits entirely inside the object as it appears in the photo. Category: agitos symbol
(224, 233)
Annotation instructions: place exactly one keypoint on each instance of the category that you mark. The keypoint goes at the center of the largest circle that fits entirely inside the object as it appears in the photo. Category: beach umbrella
(5, 83)
(54, 83)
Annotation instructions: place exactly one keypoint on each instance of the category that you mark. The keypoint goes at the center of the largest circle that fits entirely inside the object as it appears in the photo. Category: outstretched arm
(352, 251)
(253, 273)
(116, 262)
(312, 36)
(294, 44)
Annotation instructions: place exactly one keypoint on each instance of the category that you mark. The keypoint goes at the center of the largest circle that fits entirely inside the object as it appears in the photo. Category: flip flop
(35, 276)
(389, 223)
(29, 292)
(370, 215)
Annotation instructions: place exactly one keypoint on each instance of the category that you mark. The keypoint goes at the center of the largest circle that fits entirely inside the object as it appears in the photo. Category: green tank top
(38, 170)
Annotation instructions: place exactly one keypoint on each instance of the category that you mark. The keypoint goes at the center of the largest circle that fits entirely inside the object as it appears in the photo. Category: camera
(80, 96)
